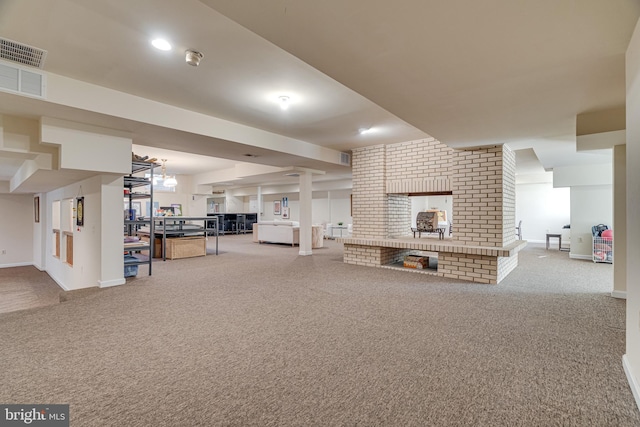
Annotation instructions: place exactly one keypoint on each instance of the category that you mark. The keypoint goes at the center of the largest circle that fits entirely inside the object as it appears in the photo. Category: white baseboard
(110, 283)
(619, 294)
(577, 256)
(305, 253)
(16, 264)
(633, 384)
(58, 282)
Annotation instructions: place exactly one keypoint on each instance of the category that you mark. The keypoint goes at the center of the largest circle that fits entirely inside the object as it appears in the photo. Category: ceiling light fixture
(170, 181)
(161, 44)
(167, 181)
(284, 102)
(193, 57)
(364, 131)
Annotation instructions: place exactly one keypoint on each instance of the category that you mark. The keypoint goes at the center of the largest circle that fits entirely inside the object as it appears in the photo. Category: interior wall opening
(442, 202)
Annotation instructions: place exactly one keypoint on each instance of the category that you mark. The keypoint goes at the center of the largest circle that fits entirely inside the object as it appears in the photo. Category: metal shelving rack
(131, 225)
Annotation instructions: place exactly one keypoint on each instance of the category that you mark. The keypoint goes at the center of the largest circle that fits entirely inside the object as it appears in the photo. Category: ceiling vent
(20, 81)
(345, 159)
(22, 53)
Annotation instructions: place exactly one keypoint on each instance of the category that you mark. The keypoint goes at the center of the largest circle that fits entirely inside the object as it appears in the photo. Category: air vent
(345, 159)
(22, 53)
(20, 81)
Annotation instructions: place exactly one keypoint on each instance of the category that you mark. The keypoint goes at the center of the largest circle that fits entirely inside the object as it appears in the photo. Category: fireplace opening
(440, 204)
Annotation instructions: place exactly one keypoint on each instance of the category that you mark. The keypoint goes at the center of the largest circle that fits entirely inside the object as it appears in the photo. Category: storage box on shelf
(416, 261)
(130, 266)
(180, 247)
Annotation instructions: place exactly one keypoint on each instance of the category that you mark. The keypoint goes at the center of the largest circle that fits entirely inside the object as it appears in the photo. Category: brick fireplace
(482, 183)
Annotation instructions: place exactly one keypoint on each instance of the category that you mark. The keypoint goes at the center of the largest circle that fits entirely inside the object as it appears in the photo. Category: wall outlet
(579, 239)
(3, 252)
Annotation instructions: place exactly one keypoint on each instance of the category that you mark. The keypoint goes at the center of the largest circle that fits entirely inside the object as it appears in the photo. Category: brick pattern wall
(392, 255)
(483, 185)
(478, 196)
(399, 215)
(508, 195)
(506, 266)
(417, 159)
(370, 202)
(418, 167)
(373, 256)
(475, 268)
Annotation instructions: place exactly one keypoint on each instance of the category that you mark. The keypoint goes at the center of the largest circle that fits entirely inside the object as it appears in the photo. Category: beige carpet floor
(261, 336)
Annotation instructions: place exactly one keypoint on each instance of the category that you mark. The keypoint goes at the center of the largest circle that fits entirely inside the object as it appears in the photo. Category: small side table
(558, 236)
(338, 227)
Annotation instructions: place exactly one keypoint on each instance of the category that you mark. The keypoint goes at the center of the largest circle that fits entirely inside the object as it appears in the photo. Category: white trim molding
(633, 384)
(16, 264)
(619, 294)
(110, 283)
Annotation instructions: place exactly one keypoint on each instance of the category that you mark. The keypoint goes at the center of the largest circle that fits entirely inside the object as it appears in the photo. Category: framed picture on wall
(276, 207)
(177, 209)
(285, 212)
(80, 211)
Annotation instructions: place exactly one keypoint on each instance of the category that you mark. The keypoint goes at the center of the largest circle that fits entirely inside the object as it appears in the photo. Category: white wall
(39, 240)
(591, 202)
(631, 360)
(339, 202)
(78, 141)
(97, 246)
(234, 204)
(192, 204)
(216, 202)
(569, 176)
(111, 259)
(620, 221)
(16, 230)
(590, 205)
(542, 209)
(328, 206)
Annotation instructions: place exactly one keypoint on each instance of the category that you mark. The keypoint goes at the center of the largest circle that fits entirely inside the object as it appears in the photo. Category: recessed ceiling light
(284, 101)
(161, 44)
(250, 155)
(364, 131)
(292, 174)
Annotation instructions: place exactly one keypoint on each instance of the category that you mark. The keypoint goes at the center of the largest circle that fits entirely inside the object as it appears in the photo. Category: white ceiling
(468, 73)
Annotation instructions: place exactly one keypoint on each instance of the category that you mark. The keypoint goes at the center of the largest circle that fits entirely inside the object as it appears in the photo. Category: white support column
(259, 201)
(40, 233)
(305, 212)
(619, 222)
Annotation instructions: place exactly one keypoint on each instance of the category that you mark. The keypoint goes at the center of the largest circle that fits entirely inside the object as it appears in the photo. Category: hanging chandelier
(167, 181)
